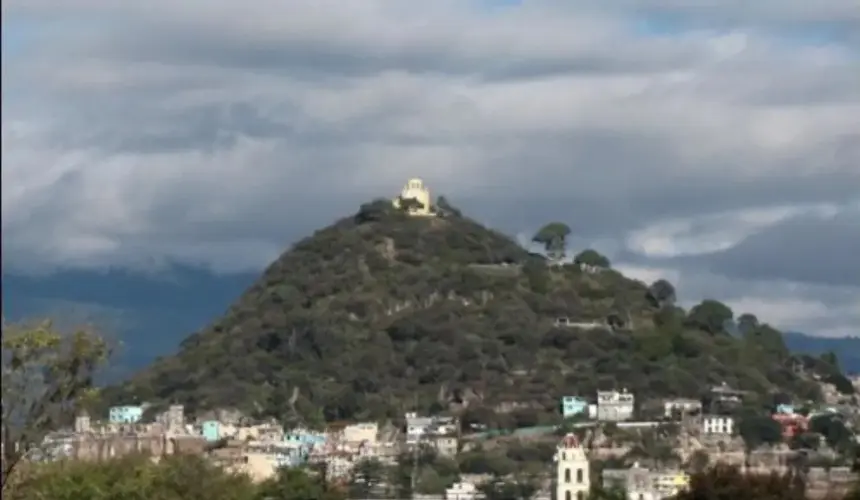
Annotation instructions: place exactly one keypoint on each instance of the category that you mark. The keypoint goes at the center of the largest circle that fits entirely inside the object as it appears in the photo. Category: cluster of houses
(260, 449)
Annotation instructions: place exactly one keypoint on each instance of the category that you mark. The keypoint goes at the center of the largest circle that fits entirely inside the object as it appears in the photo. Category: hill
(384, 312)
(847, 349)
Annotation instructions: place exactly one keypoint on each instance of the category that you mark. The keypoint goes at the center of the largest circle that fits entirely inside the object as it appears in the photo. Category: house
(643, 484)
(364, 431)
(785, 409)
(681, 406)
(445, 446)
(792, 424)
(211, 430)
(416, 427)
(572, 477)
(573, 405)
(718, 425)
(462, 491)
(614, 406)
(125, 414)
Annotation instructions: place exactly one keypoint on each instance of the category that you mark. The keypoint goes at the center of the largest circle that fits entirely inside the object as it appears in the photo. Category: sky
(712, 143)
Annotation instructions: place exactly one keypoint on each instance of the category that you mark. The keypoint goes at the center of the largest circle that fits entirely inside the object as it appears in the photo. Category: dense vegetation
(192, 478)
(381, 313)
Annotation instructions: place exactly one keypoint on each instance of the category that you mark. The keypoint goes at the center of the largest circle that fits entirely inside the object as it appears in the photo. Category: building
(211, 430)
(643, 484)
(417, 427)
(83, 423)
(572, 480)
(573, 405)
(358, 433)
(792, 424)
(445, 446)
(614, 406)
(718, 425)
(680, 407)
(461, 491)
(415, 190)
(125, 414)
(785, 409)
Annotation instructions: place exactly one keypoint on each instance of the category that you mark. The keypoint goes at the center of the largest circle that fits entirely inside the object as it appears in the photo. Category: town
(648, 449)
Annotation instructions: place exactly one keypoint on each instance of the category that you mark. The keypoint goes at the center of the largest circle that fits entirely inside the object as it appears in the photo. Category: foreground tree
(553, 237)
(133, 477)
(729, 483)
(47, 376)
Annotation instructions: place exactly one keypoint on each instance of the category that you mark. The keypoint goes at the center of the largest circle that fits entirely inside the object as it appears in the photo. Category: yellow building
(414, 189)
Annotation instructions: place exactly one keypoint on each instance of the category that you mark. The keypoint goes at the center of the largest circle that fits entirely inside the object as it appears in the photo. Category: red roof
(570, 441)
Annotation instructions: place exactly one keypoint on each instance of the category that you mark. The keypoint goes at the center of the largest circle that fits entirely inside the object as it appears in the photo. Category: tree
(519, 488)
(297, 484)
(661, 293)
(446, 209)
(699, 461)
(553, 237)
(592, 258)
(367, 476)
(177, 477)
(747, 323)
(757, 430)
(729, 483)
(47, 375)
(409, 204)
(710, 316)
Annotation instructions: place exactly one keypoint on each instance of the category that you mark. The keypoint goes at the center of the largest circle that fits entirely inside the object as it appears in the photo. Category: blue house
(211, 430)
(785, 409)
(573, 405)
(125, 414)
(305, 438)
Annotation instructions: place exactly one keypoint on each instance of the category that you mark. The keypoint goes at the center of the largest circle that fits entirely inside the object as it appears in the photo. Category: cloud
(209, 133)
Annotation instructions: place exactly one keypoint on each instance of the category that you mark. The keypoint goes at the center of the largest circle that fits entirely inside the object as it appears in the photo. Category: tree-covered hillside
(382, 312)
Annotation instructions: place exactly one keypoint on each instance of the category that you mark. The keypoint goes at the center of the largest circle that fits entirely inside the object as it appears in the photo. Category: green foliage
(553, 237)
(516, 488)
(47, 378)
(729, 483)
(381, 313)
(132, 478)
(710, 316)
(592, 258)
(757, 430)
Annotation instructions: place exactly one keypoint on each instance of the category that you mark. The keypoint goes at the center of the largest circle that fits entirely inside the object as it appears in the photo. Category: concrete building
(718, 425)
(681, 406)
(643, 484)
(572, 480)
(614, 406)
(211, 430)
(364, 431)
(417, 427)
(573, 405)
(127, 414)
(462, 491)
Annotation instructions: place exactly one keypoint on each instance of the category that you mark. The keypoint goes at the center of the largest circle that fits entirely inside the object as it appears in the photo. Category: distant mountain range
(151, 315)
(847, 349)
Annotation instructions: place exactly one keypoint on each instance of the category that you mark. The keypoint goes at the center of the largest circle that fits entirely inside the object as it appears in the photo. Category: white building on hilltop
(415, 190)
(572, 480)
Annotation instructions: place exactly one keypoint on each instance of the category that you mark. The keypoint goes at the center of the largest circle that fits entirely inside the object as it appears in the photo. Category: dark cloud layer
(215, 133)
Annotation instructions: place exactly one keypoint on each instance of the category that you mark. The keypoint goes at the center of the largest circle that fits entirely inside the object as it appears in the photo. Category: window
(641, 496)
(566, 475)
(580, 495)
(579, 476)
(564, 455)
(567, 495)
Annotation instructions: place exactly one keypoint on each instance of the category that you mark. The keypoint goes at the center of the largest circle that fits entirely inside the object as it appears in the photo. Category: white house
(718, 424)
(417, 427)
(572, 480)
(461, 491)
(681, 405)
(614, 406)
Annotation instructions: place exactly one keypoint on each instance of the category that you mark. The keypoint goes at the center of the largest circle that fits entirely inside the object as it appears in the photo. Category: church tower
(572, 479)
